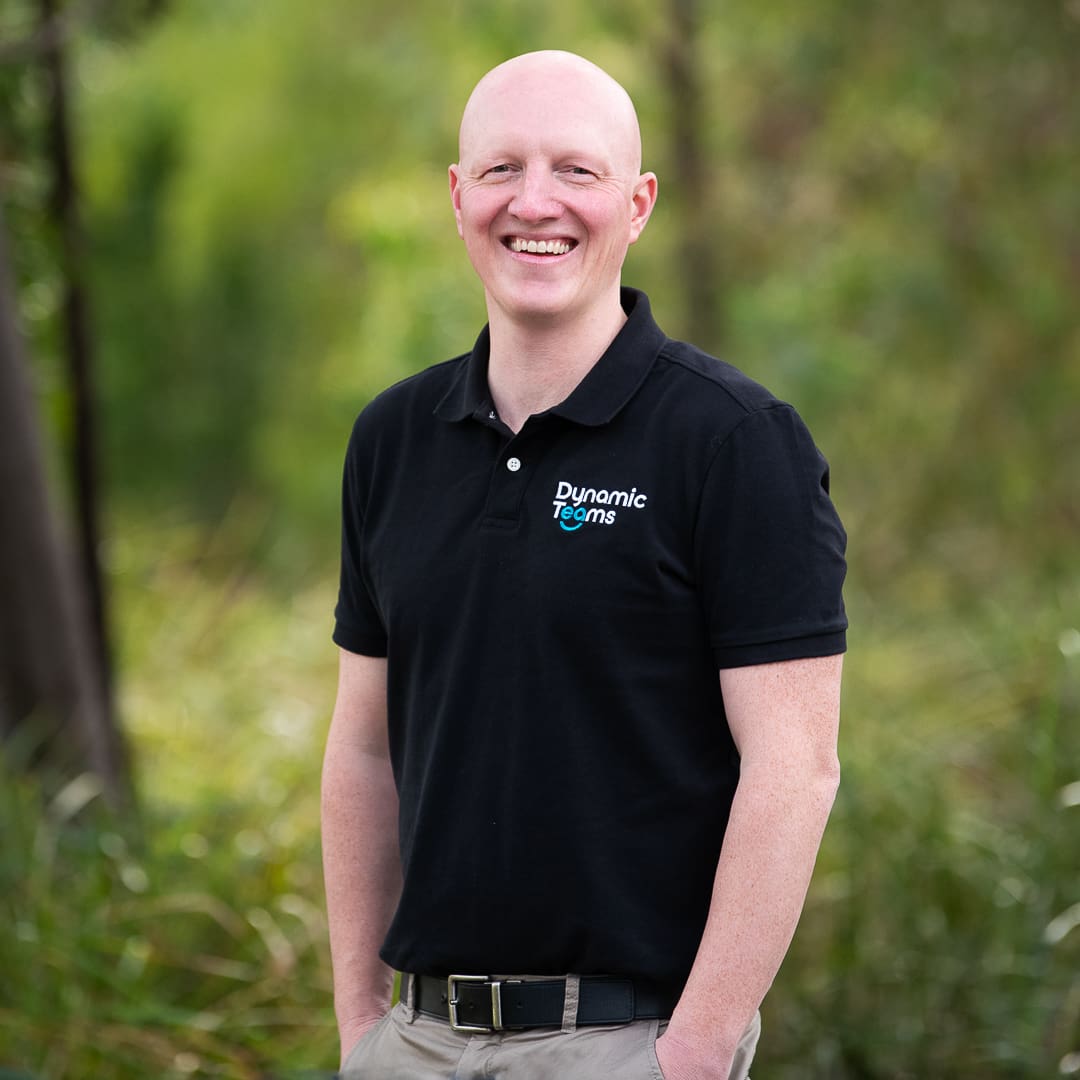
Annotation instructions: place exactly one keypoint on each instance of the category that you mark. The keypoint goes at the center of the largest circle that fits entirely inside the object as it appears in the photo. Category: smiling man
(591, 626)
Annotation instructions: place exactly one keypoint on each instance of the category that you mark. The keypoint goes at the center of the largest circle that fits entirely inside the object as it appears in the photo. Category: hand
(681, 1061)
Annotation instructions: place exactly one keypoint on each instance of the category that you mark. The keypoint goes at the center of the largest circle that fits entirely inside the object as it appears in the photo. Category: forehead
(551, 110)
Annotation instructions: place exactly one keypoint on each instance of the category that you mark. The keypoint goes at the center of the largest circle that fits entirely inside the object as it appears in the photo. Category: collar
(597, 399)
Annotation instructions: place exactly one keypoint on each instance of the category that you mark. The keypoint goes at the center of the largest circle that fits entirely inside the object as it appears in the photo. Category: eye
(498, 170)
(579, 173)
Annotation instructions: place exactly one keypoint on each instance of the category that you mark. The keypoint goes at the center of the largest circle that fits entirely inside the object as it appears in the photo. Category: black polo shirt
(554, 606)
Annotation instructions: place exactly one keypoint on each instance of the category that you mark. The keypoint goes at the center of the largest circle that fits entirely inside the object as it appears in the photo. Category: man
(584, 745)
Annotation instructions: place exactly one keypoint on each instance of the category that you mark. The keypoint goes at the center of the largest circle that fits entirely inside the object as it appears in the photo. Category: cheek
(612, 225)
(478, 210)
(472, 229)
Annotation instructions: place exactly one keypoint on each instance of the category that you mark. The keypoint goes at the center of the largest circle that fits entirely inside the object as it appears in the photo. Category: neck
(535, 365)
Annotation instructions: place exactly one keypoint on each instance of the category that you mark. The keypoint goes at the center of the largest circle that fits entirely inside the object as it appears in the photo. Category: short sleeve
(357, 624)
(769, 545)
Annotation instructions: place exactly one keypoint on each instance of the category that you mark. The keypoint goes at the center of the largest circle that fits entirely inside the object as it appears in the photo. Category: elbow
(810, 781)
(827, 780)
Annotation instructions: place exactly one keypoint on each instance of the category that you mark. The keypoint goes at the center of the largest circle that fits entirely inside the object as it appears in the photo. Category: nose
(535, 198)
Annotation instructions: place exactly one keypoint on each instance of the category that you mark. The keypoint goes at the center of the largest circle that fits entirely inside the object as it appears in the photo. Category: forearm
(777, 820)
(363, 881)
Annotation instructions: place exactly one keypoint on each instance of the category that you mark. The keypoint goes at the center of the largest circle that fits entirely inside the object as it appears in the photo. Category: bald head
(556, 88)
(548, 194)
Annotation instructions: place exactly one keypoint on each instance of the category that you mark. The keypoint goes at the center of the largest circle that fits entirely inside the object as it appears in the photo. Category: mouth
(522, 245)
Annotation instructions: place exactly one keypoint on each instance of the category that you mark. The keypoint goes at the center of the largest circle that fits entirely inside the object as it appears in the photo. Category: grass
(941, 938)
(929, 947)
(192, 941)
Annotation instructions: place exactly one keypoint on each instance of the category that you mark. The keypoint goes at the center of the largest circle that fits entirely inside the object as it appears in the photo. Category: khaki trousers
(407, 1045)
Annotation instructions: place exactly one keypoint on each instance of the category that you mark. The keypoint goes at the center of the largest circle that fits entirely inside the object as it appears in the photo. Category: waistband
(479, 1003)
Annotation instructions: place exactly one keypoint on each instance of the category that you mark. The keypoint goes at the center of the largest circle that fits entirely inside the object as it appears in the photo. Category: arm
(784, 718)
(360, 845)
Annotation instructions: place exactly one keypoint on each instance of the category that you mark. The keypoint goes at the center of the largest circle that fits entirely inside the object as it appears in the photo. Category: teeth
(540, 247)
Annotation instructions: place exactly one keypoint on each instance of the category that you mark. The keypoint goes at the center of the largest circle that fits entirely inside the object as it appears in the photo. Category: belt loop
(570, 1003)
(408, 996)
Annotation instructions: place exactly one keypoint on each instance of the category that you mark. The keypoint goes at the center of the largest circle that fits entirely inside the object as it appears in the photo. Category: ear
(455, 195)
(643, 200)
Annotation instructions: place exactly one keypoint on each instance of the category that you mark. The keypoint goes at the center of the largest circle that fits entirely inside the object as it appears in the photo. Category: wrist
(704, 1036)
(692, 1058)
(352, 1029)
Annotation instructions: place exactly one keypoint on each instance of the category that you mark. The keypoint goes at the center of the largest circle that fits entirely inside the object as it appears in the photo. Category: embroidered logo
(578, 506)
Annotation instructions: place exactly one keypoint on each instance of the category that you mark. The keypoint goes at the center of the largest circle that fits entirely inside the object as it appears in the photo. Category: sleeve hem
(356, 641)
(732, 656)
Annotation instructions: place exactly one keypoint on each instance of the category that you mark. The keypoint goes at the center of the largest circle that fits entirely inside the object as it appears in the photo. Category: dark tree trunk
(52, 697)
(55, 686)
(699, 245)
(78, 348)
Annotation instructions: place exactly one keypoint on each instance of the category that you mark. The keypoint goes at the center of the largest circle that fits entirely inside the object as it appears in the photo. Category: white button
(513, 464)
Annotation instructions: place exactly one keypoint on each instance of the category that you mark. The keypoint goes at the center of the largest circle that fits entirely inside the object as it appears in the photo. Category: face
(547, 194)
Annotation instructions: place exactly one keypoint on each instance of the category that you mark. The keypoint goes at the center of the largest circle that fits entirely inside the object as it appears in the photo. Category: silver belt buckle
(496, 1004)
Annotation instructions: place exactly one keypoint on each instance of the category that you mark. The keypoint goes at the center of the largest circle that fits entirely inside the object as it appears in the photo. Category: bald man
(591, 626)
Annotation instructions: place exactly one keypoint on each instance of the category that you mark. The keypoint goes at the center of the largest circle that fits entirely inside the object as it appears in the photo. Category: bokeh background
(872, 207)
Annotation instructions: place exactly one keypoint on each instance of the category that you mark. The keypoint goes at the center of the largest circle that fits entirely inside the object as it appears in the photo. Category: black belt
(476, 1003)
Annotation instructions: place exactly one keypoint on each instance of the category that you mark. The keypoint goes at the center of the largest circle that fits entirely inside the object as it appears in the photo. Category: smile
(540, 247)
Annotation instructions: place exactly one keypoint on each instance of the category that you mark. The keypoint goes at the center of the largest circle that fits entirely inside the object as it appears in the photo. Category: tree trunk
(64, 212)
(52, 695)
(699, 245)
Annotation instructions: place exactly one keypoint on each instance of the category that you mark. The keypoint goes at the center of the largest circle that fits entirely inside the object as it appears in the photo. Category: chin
(537, 305)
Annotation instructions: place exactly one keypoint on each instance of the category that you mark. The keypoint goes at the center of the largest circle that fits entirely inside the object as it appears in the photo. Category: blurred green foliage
(896, 217)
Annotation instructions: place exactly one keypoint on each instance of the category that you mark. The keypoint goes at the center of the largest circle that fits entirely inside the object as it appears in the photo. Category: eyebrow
(593, 157)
